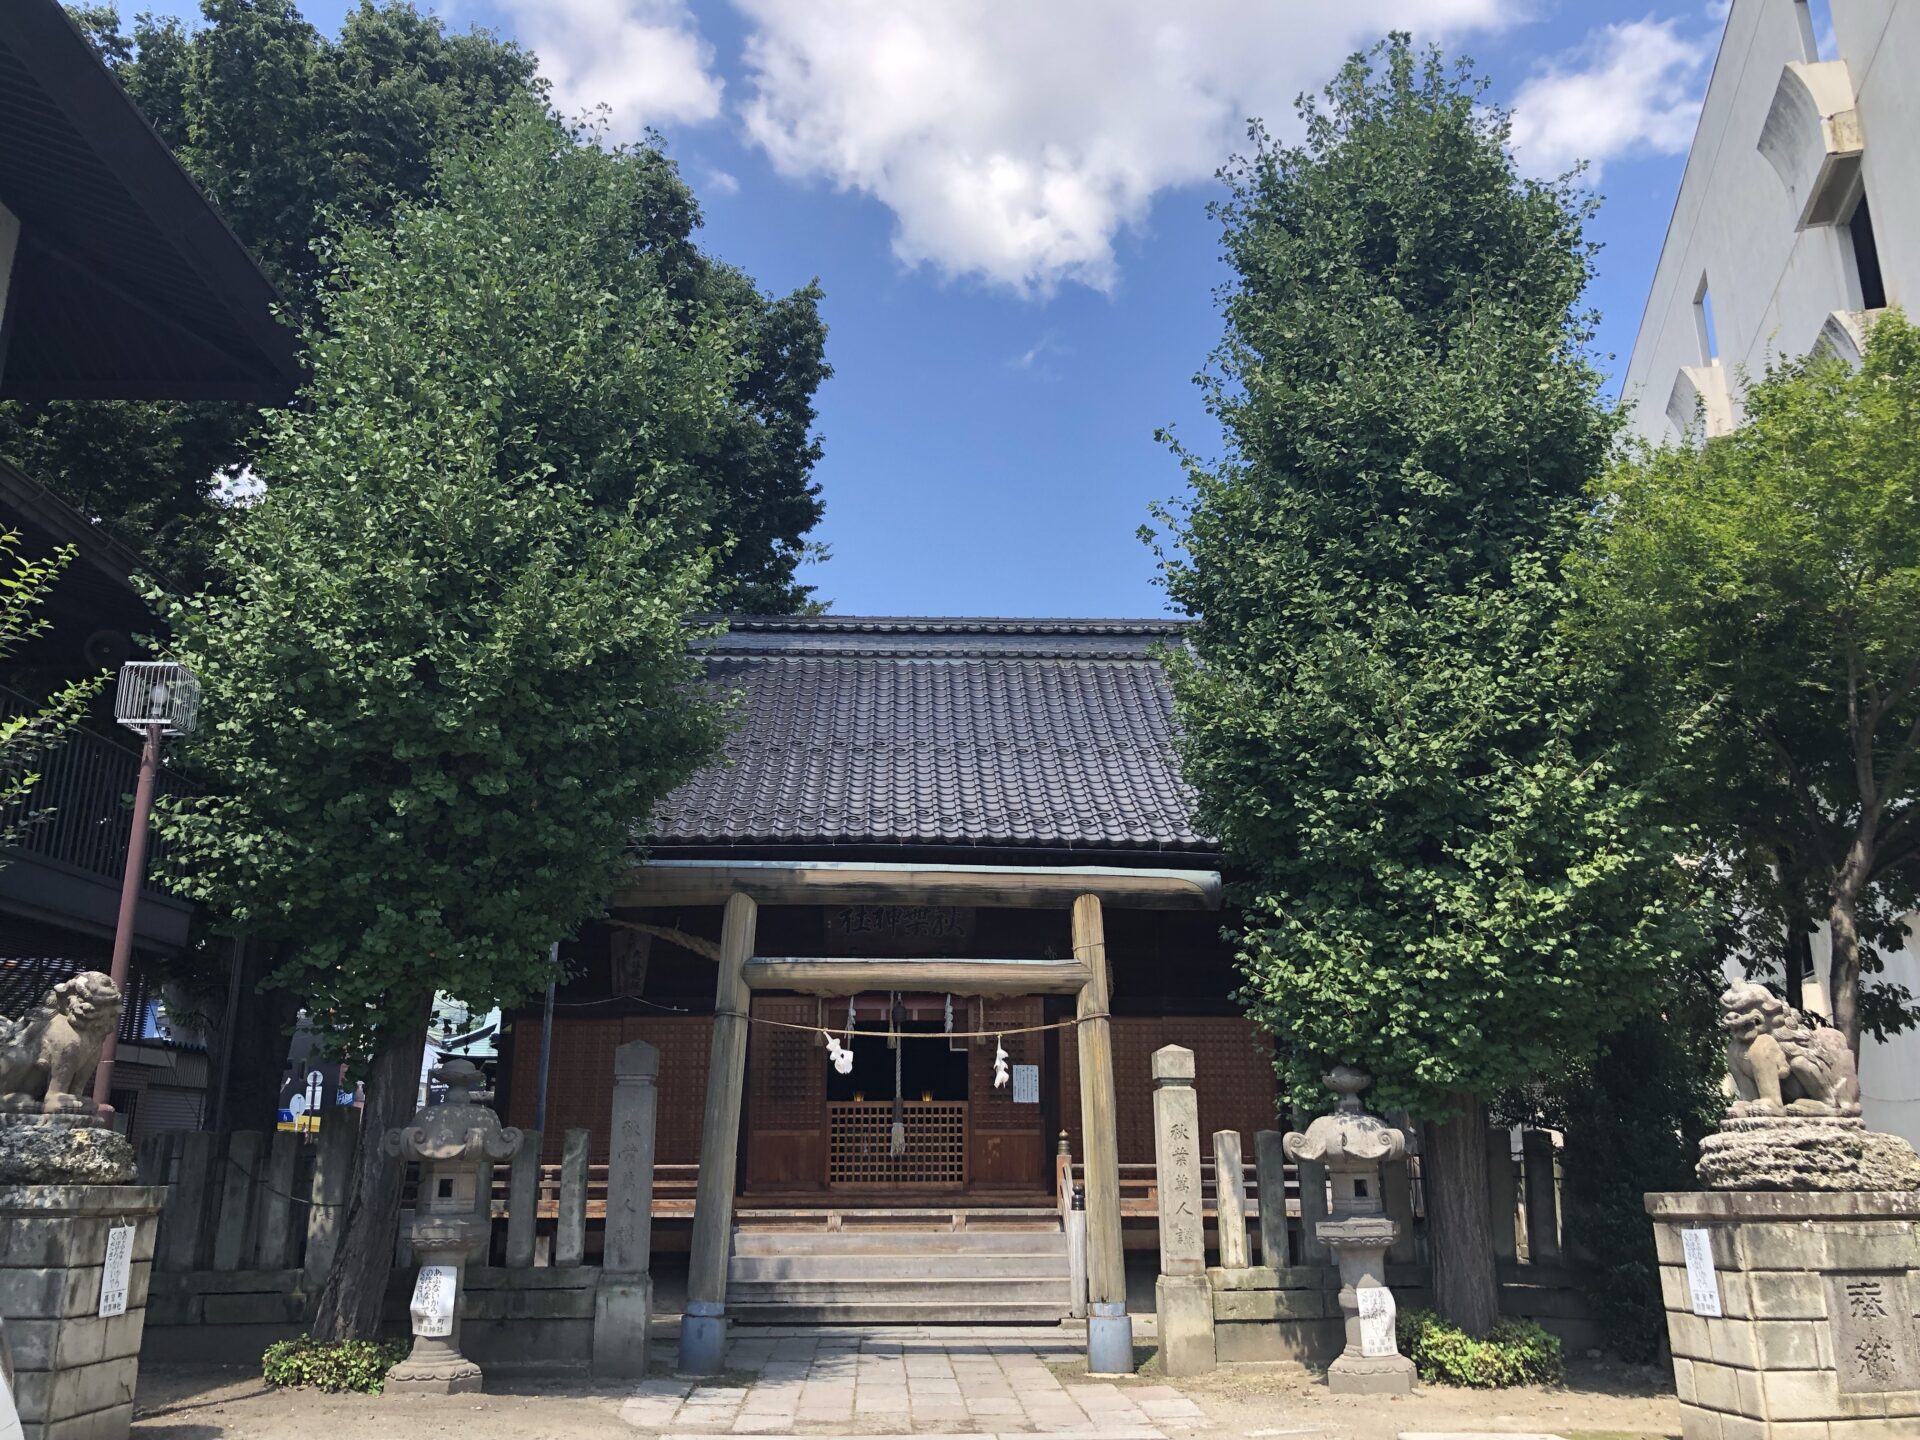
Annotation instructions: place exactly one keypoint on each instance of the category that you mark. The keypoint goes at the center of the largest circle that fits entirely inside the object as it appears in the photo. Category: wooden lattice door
(786, 1098)
(1008, 1137)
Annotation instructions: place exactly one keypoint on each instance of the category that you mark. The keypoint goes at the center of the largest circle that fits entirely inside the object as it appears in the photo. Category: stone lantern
(1353, 1145)
(456, 1142)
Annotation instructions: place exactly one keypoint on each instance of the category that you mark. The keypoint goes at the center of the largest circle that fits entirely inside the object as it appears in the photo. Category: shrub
(332, 1365)
(1515, 1352)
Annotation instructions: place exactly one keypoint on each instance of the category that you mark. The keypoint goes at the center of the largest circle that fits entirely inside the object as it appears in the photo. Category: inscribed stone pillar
(523, 1201)
(703, 1328)
(570, 1229)
(625, 1294)
(1543, 1211)
(1500, 1192)
(1109, 1331)
(1313, 1210)
(1230, 1199)
(1396, 1192)
(1183, 1295)
(1270, 1172)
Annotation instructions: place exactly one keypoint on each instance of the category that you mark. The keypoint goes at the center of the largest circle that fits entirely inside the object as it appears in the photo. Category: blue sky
(1006, 205)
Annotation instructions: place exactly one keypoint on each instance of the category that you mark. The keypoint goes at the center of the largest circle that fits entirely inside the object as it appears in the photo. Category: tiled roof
(1052, 734)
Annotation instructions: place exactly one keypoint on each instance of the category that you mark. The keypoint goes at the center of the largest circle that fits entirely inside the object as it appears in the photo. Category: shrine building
(961, 850)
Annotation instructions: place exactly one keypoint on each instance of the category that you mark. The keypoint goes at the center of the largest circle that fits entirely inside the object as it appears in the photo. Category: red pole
(130, 883)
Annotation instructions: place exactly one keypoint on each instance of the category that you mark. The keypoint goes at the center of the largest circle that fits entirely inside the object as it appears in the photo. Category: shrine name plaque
(898, 930)
(1874, 1348)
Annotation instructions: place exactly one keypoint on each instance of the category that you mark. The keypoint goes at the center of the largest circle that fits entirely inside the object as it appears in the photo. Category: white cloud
(645, 60)
(1036, 359)
(1015, 141)
(718, 182)
(1631, 88)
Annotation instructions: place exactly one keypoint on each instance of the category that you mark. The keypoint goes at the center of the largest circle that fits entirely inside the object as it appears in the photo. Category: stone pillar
(1543, 1211)
(1790, 1313)
(1270, 1171)
(1230, 1199)
(703, 1328)
(332, 1170)
(523, 1201)
(570, 1230)
(625, 1295)
(1501, 1194)
(1109, 1331)
(1396, 1190)
(74, 1366)
(1182, 1295)
(1313, 1213)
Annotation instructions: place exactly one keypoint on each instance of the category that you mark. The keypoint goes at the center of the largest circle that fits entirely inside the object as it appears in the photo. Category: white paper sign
(1026, 1084)
(433, 1300)
(1376, 1320)
(117, 1277)
(1703, 1286)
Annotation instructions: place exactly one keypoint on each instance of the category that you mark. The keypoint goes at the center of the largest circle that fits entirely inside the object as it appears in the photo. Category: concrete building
(1798, 219)
(1799, 211)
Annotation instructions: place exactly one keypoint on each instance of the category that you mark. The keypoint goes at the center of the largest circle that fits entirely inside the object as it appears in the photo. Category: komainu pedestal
(76, 1235)
(1791, 1312)
(1789, 1282)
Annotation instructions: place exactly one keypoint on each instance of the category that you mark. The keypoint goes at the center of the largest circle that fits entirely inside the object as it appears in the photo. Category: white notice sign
(1376, 1320)
(1026, 1084)
(432, 1305)
(1703, 1286)
(117, 1277)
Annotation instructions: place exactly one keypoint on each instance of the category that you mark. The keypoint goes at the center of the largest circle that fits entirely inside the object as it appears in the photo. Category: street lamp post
(156, 698)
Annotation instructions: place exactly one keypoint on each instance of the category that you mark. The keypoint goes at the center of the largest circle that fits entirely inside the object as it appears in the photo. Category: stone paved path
(882, 1380)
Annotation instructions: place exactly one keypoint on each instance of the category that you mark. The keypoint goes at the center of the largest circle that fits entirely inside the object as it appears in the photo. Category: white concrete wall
(1773, 288)
(1734, 221)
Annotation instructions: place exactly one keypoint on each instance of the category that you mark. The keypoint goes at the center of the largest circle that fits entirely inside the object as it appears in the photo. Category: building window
(1704, 332)
(1871, 288)
(1817, 41)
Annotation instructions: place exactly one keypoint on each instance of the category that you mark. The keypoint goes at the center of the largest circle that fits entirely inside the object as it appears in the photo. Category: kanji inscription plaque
(1873, 1332)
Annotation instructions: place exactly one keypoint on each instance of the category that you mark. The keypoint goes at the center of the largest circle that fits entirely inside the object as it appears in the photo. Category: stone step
(901, 1267)
(953, 1289)
(899, 1242)
(898, 1312)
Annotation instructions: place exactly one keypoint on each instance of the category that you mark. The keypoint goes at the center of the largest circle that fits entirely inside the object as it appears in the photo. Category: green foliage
(446, 669)
(28, 731)
(332, 1365)
(1455, 877)
(1634, 1115)
(1515, 1352)
(297, 137)
(1772, 576)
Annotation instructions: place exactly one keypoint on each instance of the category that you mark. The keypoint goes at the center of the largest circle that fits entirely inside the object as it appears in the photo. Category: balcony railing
(80, 811)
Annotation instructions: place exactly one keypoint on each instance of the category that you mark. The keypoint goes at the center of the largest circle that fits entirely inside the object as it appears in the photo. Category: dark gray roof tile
(895, 731)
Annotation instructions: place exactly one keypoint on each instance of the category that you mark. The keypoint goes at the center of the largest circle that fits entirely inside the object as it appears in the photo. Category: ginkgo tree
(446, 670)
(1453, 872)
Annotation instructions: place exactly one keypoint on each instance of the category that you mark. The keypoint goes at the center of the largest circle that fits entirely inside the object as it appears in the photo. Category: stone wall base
(74, 1370)
(1816, 1339)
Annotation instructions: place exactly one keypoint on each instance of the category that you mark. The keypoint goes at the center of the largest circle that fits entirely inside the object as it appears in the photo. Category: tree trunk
(349, 1303)
(262, 1031)
(1453, 1169)
(1843, 974)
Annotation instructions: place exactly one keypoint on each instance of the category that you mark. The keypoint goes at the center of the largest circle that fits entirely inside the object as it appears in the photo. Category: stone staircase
(911, 1267)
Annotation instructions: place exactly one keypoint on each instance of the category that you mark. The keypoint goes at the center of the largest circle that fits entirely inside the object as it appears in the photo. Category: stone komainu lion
(1782, 1065)
(47, 1058)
